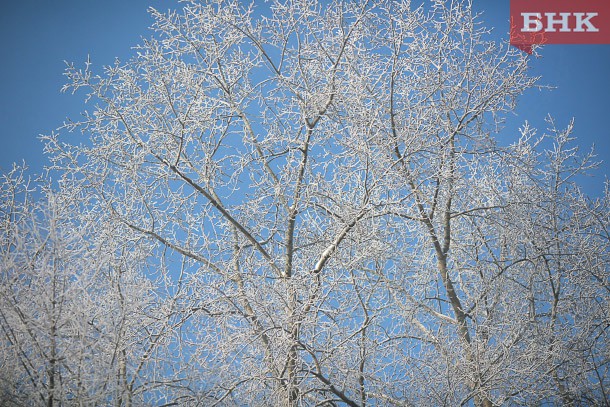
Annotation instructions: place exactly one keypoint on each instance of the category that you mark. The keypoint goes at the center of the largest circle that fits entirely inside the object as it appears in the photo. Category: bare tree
(329, 217)
(78, 319)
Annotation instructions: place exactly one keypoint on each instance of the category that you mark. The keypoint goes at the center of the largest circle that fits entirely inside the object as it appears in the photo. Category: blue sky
(37, 36)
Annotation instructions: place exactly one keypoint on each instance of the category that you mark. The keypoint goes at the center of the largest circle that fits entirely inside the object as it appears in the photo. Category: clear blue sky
(37, 36)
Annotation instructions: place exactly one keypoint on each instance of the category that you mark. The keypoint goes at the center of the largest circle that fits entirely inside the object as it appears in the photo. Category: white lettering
(529, 19)
(551, 22)
(580, 22)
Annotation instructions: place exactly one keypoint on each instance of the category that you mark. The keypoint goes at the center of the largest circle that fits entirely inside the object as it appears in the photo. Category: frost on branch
(317, 197)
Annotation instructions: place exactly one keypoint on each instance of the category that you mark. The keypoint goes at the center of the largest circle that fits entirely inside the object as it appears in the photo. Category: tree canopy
(306, 204)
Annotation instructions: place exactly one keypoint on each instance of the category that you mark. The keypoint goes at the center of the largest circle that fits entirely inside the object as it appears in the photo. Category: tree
(78, 319)
(330, 218)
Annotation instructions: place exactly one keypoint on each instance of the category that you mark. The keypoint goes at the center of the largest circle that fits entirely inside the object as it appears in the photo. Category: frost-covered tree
(317, 194)
(78, 320)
